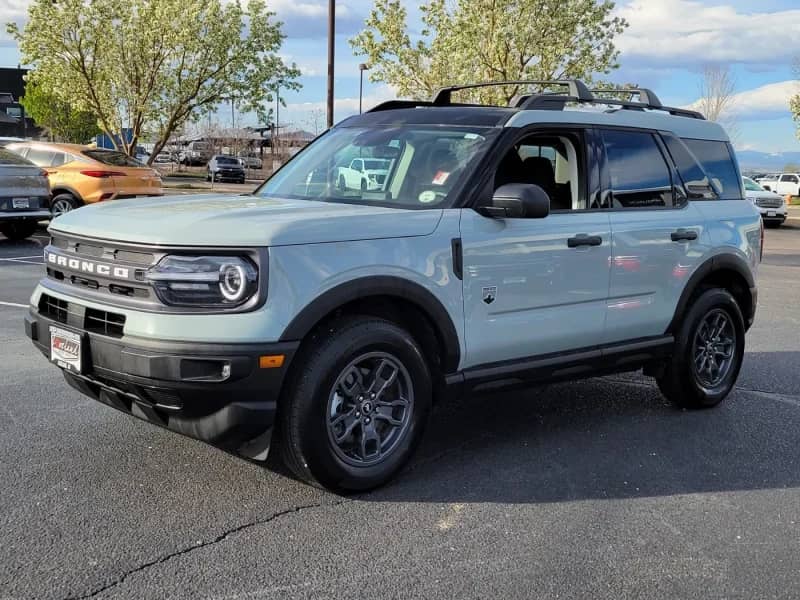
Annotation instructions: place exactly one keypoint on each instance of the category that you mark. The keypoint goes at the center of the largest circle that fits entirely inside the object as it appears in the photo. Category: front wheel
(356, 406)
(709, 349)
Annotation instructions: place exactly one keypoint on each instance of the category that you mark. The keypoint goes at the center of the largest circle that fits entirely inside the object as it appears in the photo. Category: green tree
(152, 66)
(61, 122)
(484, 40)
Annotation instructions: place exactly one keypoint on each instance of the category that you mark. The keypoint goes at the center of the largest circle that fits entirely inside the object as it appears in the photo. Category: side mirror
(518, 201)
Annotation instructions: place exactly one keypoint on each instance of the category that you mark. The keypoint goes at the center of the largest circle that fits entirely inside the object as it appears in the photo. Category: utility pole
(361, 68)
(331, 44)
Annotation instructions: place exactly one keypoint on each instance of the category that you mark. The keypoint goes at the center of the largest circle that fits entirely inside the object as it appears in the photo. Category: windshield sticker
(440, 177)
(427, 197)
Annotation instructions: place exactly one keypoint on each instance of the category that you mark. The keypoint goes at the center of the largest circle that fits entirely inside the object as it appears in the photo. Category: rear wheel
(18, 231)
(341, 184)
(709, 349)
(356, 407)
(63, 203)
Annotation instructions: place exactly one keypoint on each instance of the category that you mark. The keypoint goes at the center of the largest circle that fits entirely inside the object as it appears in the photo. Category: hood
(234, 220)
(750, 194)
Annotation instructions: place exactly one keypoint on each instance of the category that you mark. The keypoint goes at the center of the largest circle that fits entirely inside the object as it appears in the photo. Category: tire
(19, 230)
(686, 382)
(63, 203)
(316, 408)
(208, 175)
(363, 185)
(341, 184)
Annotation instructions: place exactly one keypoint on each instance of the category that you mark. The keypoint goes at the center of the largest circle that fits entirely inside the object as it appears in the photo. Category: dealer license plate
(65, 349)
(20, 203)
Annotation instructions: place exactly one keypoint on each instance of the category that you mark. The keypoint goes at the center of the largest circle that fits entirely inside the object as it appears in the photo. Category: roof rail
(576, 88)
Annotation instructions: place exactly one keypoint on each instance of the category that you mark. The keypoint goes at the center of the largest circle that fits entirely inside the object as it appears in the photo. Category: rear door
(658, 236)
(130, 177)
(788, 184)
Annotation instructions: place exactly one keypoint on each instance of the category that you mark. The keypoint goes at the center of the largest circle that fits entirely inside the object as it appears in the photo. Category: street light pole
(361, 68)
(331, 44)
(277, 111)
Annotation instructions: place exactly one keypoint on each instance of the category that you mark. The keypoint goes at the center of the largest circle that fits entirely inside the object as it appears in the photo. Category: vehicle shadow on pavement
(603, 438)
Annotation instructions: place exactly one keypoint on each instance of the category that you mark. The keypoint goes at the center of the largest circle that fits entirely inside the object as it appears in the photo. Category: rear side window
(640, 177)
(718, 163)
(789, 178)
(694, 178)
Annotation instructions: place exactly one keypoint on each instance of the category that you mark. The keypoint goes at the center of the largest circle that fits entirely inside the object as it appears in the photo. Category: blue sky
(665, 48)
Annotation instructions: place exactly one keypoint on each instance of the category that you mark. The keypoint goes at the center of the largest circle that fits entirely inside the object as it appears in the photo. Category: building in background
(13, 121)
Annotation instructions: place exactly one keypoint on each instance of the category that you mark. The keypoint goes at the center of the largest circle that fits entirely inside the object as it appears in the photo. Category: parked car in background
(24, 196)
(363, 174)
(788, 183)
(768, 182)
(250, 160)
(225, 168)
(164, 158)
(771, 205)
(83, 175)
(195, 153)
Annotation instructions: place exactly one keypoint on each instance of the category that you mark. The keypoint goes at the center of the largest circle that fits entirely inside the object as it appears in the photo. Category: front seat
(539, 171)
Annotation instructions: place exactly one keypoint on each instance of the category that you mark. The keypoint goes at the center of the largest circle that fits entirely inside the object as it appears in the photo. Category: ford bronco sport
(565, 236)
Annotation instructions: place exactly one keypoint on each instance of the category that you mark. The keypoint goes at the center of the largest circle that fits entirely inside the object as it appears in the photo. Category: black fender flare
(380, 285)
(719, 262)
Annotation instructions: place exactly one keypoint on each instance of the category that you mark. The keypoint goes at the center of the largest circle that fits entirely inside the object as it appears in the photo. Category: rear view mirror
(518, 201)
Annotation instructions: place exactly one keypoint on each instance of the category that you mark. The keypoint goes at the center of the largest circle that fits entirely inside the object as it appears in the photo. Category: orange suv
(82, 175)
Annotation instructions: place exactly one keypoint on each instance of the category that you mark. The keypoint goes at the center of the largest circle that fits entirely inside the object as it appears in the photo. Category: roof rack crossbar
(575, 87)
(646, 96)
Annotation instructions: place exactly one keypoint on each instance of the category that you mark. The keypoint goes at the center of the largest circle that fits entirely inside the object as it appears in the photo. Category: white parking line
(19, 257)
(19, 260)
(14, 304)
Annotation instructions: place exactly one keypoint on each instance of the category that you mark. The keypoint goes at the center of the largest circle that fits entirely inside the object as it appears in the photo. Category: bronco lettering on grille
(87, 266)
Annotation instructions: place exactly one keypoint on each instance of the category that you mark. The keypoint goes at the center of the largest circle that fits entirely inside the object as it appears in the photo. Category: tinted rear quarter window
(716, 159)
(694, 178)
(640, 177)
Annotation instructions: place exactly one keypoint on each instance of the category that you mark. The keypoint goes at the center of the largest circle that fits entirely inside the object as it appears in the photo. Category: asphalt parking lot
(595, 489)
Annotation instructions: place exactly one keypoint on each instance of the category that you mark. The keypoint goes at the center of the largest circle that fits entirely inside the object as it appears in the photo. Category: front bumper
(181, 386)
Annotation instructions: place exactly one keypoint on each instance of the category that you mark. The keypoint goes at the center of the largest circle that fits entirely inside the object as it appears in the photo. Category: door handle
(584, 240)
(683, 235)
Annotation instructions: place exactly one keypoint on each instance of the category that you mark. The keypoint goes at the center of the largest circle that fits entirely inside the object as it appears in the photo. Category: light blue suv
(562, 237)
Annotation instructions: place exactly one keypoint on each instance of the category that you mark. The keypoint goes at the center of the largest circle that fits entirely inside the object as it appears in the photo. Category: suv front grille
(769, 202)
(90, 319)
(55, 308)
(104, 322)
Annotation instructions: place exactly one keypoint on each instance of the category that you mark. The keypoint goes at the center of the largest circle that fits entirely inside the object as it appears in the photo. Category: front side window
(410, 166)
(718, 163)
(640, 177)
(550, 161)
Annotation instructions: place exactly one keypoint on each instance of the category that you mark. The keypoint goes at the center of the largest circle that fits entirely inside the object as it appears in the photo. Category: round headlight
(232, 282)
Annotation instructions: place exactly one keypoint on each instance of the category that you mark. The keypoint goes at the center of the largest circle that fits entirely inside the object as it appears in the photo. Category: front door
(537, 286)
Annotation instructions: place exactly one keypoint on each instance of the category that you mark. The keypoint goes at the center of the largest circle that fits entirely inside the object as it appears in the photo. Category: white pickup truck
(365, 174)
(786, 183)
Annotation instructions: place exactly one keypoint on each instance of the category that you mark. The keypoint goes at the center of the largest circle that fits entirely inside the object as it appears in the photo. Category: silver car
(24, 196)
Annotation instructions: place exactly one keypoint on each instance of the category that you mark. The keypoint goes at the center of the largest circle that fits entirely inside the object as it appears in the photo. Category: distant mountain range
(752, 160)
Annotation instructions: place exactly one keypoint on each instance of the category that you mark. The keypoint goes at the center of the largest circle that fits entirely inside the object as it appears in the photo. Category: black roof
(476, 116)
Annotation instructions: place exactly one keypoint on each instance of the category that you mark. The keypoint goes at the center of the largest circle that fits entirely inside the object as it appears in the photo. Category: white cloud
(768, 101)
(688, 33)
(299, 112)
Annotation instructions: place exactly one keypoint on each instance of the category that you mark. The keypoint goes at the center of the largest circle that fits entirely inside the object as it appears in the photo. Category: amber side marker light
(270, 362)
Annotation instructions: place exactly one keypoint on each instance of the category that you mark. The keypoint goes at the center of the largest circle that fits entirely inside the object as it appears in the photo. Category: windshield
(751, 185)
(227, 160)
(412, 166)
